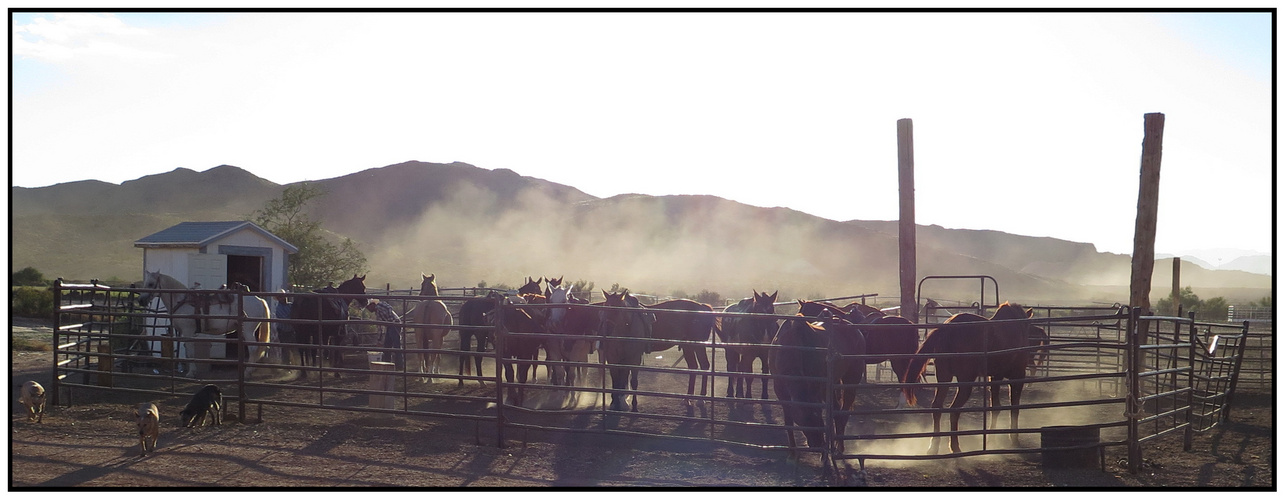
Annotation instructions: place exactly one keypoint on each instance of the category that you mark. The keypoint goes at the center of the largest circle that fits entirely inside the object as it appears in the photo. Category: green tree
(28, 276)
(1214, 309)
(1186, 298)
(319, 260)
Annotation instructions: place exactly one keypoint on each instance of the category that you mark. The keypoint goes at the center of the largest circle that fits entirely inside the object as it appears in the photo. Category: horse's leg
(899, 366)
(994, 397)
(961, 398)
(939, 398)
(633, 384)
(482, 339)
(689, 355)
(763, 366)
(466, 343)
(1015, 398)
(729, 354)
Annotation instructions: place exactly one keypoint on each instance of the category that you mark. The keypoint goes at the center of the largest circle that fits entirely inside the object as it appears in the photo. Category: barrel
(1063, 436)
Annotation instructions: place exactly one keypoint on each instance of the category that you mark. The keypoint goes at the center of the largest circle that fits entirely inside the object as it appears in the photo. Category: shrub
(31, 302)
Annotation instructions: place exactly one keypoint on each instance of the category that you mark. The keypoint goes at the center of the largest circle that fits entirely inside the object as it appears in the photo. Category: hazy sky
(1029, 123)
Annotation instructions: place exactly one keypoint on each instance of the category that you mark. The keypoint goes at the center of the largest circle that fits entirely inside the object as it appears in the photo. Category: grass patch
(21, 344)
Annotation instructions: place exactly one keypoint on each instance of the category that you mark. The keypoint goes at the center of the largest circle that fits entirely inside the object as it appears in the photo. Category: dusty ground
(93, 444)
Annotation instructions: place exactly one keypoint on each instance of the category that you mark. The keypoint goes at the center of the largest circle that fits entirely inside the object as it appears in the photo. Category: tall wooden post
(906, 233)
(1176, 294)
(1144, 230)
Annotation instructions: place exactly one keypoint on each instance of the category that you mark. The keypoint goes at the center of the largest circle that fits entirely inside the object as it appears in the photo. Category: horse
(522, 349)
(581, 321)
(686, 328)
(893, 344)
(255, 327)
(564, 349)
(475, 325)
(331, 310)
(970, 333)
(618, 351)
(750, 331)
(432, 321)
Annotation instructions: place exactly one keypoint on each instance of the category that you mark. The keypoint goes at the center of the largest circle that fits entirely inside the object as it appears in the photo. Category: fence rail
(1129, 377)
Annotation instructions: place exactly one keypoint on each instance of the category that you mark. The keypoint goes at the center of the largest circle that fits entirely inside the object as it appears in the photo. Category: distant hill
(468, 224)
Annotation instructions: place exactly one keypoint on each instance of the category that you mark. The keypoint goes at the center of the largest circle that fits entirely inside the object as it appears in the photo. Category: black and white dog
(208, 399)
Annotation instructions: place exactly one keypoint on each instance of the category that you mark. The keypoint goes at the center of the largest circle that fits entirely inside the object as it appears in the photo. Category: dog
(149, 427)
(33, 397)
(206, 402)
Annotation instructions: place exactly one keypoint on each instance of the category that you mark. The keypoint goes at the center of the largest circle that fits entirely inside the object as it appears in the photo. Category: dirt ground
(94, 444)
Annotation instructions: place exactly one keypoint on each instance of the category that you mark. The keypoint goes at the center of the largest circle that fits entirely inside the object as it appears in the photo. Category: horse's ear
(363, 277)
(431, 277)
(774, 294)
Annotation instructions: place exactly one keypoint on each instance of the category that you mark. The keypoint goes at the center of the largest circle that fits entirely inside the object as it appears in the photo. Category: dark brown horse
(474, 325)
(522, 350)
(970, 333)
(752, 333)
(622, 354)
(331, 311)
(892, 343)
(686, 328)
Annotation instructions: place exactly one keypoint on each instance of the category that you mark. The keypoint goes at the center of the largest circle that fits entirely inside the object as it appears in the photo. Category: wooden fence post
(1132, 407)
(1144, 230)
(906, 219)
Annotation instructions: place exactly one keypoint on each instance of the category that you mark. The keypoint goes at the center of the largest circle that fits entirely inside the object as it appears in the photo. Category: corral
(1181, 388)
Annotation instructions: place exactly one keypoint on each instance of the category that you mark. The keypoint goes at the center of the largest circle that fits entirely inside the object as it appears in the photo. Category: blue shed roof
(197, 234)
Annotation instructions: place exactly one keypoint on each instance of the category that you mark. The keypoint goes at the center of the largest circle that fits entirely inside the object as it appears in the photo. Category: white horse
(435, 320)
(254, 309)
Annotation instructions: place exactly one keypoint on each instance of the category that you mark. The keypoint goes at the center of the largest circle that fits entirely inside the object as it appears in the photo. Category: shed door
(210, 270)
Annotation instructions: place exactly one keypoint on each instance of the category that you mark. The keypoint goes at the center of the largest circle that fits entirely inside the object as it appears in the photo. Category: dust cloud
(647, 244)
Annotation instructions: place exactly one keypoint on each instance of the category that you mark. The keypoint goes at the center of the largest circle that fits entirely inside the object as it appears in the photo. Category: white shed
(217, 253)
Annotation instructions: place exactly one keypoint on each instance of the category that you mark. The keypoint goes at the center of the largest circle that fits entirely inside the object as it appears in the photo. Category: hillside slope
(467, 224)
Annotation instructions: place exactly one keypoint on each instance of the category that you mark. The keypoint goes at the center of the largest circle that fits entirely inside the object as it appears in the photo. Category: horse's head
(427, 286)
(1009, 310)
(531, 286)
(156, 281)
(764, 303)
(559, 295)
(354, 286)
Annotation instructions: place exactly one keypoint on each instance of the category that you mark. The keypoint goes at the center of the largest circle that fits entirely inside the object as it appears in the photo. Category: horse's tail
(915, 370)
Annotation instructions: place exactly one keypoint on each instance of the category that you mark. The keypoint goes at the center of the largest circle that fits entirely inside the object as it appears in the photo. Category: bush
(28, 276)
(31, 302)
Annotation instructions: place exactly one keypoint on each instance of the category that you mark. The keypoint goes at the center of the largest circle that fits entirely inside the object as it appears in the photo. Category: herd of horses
(821, 340)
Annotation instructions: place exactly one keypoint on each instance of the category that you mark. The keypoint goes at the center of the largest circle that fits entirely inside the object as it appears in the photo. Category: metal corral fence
(1107, 378)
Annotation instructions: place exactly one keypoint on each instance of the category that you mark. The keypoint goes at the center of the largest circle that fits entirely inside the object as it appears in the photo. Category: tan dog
(149, 428)
(33, 397)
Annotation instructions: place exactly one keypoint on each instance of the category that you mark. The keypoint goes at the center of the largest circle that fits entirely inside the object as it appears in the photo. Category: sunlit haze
(1024, 122)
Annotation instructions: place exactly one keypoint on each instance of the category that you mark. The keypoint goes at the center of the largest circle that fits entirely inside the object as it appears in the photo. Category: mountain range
(467, 224)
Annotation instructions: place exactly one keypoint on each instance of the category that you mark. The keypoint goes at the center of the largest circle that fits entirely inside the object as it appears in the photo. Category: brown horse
(753, 332)
(970, 333)
(893, 343)
(434, 320)
(686, 328)
(622, 354)
(521, 350)
(803, 351)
